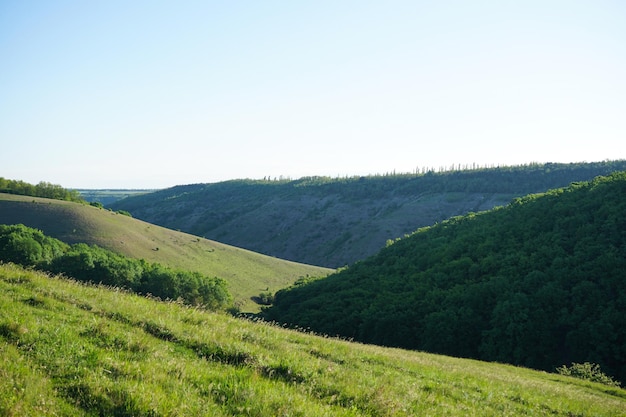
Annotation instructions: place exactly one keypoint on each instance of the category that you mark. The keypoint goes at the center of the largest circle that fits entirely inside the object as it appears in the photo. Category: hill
(108, 197)
(536, 283)
(75, 350)
(335, 222)
(247, 273)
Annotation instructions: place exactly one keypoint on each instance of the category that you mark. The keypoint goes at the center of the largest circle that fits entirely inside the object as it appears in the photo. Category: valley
(496, 276)
(334, 222)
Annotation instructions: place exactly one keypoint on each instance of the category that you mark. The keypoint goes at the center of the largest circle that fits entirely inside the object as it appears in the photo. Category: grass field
(74, 350)
(247, 273)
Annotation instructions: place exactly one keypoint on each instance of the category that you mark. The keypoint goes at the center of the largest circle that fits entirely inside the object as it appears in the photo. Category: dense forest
(540, 282)
(31, 248)
(43, 189)
(337, 221)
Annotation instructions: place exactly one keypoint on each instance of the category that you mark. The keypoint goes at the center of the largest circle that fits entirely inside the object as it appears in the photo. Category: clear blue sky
(150, 94)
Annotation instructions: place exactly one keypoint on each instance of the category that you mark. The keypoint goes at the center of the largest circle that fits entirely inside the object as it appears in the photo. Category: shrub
(31, 248)
(589, 372)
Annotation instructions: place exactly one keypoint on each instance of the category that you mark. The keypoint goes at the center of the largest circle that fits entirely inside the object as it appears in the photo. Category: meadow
(71, 349)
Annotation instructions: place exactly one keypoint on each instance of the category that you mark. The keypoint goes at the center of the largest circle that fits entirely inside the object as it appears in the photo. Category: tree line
(31, 248)
(538, 283)
(43, 190)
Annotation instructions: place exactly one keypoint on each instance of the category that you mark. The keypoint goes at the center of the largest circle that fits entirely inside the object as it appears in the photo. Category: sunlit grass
(248, 273)
(72, 349)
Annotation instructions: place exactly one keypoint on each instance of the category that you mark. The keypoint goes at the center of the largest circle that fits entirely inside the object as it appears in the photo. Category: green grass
(248, 273)
(73, 350)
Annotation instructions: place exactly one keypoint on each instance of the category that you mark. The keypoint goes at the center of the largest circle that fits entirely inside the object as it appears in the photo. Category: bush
(28, 247)
(43, 189)
(266, 298)
(31, 248)
(588, 371)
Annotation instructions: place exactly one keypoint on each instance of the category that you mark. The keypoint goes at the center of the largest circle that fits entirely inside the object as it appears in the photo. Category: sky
(152, 94)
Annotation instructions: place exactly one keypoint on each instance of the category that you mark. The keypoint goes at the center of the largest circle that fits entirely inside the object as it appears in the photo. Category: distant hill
(337, 221)
(108, 197)
(539, 282)
(76, 350)
(247, 273)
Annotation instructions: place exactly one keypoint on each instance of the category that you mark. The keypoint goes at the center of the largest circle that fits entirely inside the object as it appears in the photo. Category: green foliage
(30, 247)
(192, 287)
(43, 189)
(97, 265)
(265, 298)
(587, 371)
(86, 351)
(537, 283)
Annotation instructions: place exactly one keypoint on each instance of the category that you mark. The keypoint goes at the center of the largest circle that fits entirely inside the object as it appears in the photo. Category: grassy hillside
(74, 350)
(335, 222)
(537, 283)
(248, 273)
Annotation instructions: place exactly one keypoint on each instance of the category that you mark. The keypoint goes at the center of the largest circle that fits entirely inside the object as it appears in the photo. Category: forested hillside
(537, 283)
(335, 222)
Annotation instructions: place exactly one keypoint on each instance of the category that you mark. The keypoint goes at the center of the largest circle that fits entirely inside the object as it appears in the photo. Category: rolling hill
(108, 197)
(247, 273)
(335, 222)
(536, 283)
(75, 350)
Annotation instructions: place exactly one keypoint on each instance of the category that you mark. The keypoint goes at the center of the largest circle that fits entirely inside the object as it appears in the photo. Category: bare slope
(248, 273)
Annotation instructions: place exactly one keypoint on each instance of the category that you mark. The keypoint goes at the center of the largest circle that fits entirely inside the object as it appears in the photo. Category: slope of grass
(74, 350)
(247, 273)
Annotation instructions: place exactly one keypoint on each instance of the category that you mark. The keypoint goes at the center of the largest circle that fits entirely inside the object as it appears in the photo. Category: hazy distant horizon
(421, 170)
